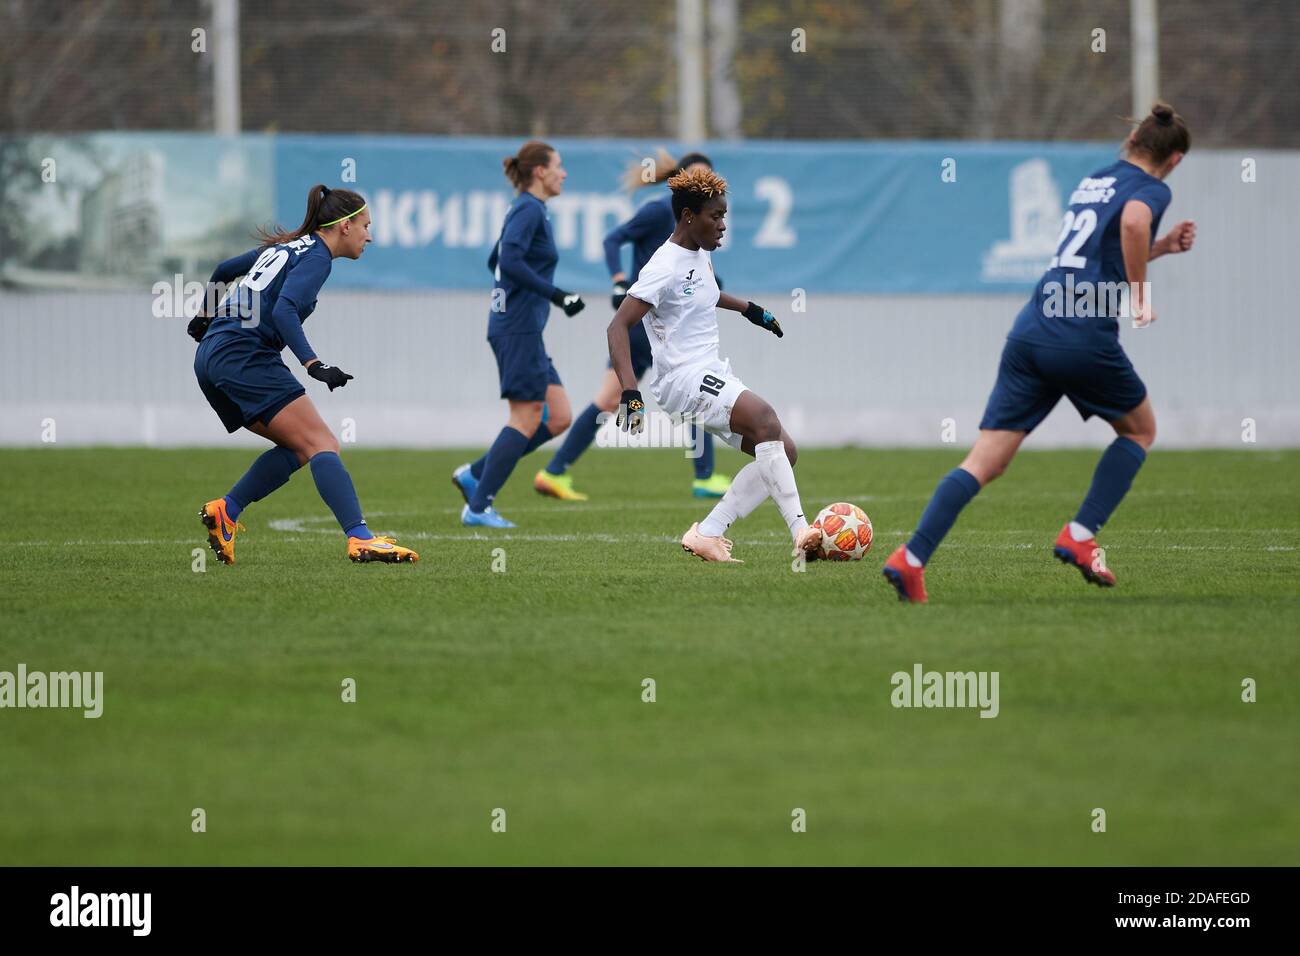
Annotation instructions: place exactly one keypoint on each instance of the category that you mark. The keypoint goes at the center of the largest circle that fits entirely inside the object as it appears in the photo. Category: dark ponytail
(1161, 134)
(323, 205)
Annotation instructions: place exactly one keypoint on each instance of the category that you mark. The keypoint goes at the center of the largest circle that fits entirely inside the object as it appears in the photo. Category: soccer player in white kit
(677, 297)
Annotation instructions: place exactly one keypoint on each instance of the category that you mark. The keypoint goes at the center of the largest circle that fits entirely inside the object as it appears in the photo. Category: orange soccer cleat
(1087, 556)
(221, 529)
(908, 581)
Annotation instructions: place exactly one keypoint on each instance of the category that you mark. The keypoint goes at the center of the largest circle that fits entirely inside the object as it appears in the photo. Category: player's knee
(607, 403)
(321, 442)
(768, 427)
(526, 419)
(1144, 434)
(559, 423)
(984, 469)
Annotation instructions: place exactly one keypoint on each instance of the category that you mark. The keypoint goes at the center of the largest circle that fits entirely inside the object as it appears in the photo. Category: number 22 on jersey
(1082, 226)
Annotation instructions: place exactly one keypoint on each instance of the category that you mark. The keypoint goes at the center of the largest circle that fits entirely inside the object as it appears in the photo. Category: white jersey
(682, 324)
(683, 296)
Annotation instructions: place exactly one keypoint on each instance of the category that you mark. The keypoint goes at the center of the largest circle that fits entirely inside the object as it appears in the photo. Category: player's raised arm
(752, 311)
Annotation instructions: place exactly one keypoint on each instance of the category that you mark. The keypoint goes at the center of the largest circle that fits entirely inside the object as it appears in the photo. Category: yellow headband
(341, 218)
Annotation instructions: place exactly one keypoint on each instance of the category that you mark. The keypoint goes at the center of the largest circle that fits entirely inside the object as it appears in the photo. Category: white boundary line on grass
(300, 526)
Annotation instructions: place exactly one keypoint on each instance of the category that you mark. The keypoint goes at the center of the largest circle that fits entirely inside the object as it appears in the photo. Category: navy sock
(954, 492)
(581, 434)
(703, 464)
(271, 470)
(1110, 482)
(476, 469)
(540, 438)
(501, 459)
(335, 487)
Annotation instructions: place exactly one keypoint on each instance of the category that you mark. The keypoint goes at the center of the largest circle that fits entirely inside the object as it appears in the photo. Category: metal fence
(951, 69)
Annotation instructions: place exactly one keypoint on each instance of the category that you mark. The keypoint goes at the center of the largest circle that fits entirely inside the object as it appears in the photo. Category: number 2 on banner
(1082, 226)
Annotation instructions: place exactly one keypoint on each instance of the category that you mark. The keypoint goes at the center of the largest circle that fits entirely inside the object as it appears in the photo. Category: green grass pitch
(522, 690)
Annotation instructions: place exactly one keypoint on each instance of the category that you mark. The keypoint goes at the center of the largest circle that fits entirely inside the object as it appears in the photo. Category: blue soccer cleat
(487, 518)
(465, 482)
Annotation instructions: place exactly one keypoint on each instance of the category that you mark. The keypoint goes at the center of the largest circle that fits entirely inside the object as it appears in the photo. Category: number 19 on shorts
(713, 385)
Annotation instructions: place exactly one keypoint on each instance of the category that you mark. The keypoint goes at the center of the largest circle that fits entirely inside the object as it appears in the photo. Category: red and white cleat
(706, 548)
(908, 581)
(1087, 556)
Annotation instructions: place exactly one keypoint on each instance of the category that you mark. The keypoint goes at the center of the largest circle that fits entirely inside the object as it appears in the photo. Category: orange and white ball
(846, 532)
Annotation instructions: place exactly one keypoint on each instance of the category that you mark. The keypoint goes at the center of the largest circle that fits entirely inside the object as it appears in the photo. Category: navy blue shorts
(523, 366)
(243, 380)
(642, 357)
(1032, 378)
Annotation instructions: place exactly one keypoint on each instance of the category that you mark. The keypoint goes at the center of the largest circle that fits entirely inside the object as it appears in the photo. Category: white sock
(1078, 532)
(779, 478)
(912, 560)
(747, 492)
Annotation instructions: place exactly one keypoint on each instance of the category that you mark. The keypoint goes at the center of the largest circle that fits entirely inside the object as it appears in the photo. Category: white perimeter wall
(867, 370)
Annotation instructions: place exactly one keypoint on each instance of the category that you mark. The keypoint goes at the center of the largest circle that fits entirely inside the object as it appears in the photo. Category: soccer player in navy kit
(240, 371)
(1071, 347)
(523, 262)
(647, 230)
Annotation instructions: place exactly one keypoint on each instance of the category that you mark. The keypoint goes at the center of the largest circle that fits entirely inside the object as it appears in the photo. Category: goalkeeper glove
(198, 327)
(631, 412)
(761, 317)
(331, 375)
(570, 302)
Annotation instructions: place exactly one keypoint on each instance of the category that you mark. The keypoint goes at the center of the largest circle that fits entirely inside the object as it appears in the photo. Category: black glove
(761, 317)
(620, 293)
(631, 412)
(198, 327)
(331, 375)
(570, 302)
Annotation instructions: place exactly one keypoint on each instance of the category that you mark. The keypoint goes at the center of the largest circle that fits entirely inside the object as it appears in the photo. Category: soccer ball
(846, 532)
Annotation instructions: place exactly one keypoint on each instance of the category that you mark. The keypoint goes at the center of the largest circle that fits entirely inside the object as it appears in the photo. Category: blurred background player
(240, 371)
(676, 297)
(1108, 236)
(647, 230)
(523, 262)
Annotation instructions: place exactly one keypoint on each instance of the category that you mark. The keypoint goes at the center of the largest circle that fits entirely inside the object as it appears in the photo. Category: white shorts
(704, 393)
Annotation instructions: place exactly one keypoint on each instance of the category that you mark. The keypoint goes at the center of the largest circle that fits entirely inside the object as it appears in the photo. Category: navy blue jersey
(647, 230)
(276, 294)
(523, 262)
(1089, 259)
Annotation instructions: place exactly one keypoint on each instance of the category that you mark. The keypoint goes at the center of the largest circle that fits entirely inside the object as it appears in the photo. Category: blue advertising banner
(824, 217)
(114, 209)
